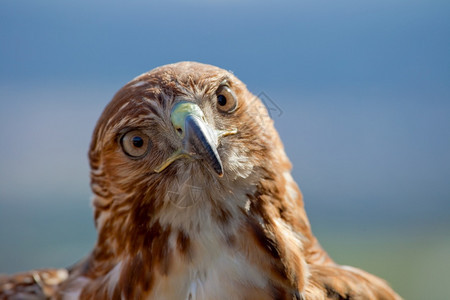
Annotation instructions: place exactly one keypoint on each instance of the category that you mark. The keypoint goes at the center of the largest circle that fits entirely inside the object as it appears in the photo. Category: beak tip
(218, 168)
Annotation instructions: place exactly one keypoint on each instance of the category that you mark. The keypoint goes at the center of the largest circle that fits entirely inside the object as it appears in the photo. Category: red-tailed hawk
(194, 199)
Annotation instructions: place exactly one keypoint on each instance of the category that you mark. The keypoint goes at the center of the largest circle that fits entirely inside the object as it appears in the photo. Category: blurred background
(359, 91)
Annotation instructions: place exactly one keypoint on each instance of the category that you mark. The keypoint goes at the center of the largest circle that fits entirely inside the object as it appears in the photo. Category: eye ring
(135, 144)
(226, 99)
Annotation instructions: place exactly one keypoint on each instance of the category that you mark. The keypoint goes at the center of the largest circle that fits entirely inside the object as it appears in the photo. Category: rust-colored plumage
(194, 199)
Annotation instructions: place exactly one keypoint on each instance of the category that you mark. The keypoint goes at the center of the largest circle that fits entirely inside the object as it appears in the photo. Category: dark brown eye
(226, 99)
(135, 143)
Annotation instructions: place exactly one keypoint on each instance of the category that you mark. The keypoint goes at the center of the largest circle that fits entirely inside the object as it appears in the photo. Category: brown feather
(187, 233)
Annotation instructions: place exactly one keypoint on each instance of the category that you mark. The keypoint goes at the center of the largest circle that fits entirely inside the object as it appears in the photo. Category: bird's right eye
(135, 143)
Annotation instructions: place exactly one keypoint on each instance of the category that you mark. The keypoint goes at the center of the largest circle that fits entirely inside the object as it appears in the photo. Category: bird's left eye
(135, 143)
(226, 99)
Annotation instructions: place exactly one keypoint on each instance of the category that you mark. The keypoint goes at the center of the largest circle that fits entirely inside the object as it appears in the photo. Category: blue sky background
(363, 88)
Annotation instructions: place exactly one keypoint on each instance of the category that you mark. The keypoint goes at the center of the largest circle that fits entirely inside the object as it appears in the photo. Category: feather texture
(183, 231)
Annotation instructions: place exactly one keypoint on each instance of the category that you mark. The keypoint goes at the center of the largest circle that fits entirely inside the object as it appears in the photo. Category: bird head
(182, 138)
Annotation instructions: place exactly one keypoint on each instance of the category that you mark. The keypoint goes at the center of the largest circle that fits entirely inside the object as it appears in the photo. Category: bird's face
(184, 133)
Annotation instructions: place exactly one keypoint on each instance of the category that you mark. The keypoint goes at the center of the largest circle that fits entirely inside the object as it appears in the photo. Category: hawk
(194, 199)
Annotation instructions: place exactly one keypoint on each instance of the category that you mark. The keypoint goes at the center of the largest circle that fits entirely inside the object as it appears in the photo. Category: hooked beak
(199, 139)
